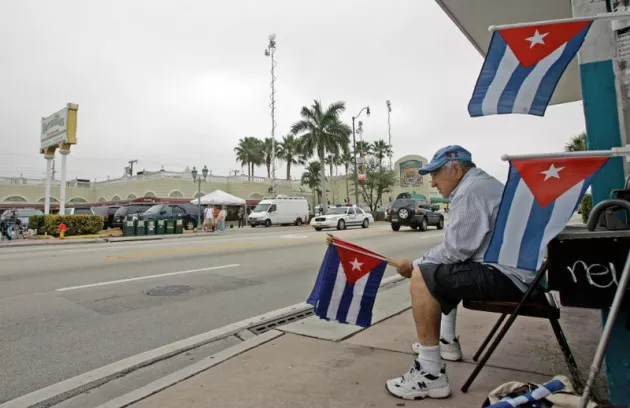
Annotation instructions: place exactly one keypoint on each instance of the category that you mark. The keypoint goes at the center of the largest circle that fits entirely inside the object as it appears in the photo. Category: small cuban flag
(538, 201)
(346, 286)
(523, 67)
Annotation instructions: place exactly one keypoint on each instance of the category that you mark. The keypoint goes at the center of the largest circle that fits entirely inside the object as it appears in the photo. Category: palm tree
(249, 151)
(332, 160)
(364, 148)
(322, 132)
(577, 143)
(312, 179)
(381, 150)
(267, 153)
(289, 150)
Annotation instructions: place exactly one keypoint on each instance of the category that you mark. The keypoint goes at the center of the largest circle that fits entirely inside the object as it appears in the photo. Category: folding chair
(543, 306)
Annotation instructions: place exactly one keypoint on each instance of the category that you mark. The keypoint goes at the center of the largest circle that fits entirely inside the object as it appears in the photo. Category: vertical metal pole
(199, 202)
(62, 186)
(356, 174)
(49, 158)
(389, 131)
(272, 46)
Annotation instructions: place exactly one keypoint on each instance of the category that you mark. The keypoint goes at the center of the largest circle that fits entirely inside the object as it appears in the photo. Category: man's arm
(468, 225)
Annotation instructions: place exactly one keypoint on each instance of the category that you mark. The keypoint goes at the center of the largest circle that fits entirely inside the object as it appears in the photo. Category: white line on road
(92, 285)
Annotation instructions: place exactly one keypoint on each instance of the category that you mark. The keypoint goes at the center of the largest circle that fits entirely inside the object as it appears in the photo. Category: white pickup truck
(341, 218)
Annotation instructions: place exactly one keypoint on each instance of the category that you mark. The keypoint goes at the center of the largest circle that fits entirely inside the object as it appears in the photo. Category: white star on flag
(552, 172)
(356, 264)
(537, 38)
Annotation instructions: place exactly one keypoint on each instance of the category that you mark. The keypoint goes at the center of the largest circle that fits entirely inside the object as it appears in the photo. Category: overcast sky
(178, 83)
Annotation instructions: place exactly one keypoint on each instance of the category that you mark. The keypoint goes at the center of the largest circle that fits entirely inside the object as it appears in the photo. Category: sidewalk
(314, 363)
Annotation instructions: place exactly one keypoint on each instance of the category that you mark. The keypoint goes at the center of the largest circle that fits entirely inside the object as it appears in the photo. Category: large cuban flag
(523, 67)
(538, 201)
(346, 286)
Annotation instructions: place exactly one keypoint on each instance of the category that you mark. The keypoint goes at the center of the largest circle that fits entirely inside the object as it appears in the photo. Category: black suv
(186, 212)
(107, 212)
(414, 213)
(128, 210)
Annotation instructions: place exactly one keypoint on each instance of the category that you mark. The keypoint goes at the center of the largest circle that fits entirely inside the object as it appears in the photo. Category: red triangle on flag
(548, 179)
(534, 43)
(356, 264)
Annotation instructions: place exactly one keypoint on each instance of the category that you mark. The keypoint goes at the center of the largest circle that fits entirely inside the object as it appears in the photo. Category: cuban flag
(346, 285)
(538, 201)
(523, 67)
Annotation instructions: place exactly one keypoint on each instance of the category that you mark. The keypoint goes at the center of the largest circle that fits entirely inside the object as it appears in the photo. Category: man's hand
(405, 268)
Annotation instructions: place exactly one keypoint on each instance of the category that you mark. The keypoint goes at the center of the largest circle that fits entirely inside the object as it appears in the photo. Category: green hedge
(76, 224)
(586, 205)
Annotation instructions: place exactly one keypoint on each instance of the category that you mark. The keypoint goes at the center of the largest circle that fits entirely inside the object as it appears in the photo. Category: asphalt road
(68, 309)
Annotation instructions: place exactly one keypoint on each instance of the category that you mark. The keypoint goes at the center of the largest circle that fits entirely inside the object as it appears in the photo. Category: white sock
(447, 326)
(429, 359)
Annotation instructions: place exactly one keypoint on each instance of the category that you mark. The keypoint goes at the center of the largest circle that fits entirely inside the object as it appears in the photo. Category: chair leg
(505, 328)
(489, 337)
(566, 351)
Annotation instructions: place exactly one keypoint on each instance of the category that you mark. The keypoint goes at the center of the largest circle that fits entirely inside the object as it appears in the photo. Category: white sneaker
(449, 351)
(417, 384)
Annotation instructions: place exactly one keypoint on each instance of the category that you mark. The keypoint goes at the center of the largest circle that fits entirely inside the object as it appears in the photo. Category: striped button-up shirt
(471, 220)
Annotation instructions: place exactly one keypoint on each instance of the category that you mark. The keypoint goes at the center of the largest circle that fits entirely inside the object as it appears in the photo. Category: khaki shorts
(210, 221)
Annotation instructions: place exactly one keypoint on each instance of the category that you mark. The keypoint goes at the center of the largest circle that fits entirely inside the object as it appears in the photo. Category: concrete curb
(190, 371)
(71, 387)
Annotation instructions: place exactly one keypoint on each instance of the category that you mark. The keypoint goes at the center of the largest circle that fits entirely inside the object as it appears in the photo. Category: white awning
(219, 197)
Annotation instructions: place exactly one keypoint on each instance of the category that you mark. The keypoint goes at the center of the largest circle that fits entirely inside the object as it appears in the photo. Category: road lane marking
(315, 237)
(92, 285)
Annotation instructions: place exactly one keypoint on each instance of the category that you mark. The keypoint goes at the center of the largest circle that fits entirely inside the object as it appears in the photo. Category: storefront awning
(473, 17)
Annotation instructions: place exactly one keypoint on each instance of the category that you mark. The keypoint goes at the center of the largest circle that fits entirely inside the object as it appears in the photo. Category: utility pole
(270, 51)
(131, 162)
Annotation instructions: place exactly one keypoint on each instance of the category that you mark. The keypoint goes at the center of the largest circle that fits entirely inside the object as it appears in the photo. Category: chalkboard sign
(585, 267)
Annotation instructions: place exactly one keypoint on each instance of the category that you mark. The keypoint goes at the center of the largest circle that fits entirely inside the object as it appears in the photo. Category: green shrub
(75, 224)
(586, 205)
(35, 222)
(379, 216)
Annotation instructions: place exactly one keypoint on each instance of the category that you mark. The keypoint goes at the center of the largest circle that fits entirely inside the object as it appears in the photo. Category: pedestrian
(208, 222)
(221, 217)
(241, 215)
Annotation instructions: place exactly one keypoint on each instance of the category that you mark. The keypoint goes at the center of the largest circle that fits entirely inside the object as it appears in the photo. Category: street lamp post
(354, 149)
(195, 173)
(389, 129)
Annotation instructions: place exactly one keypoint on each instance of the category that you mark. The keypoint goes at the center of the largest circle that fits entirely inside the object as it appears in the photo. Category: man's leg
(426, 314)
(426, 377)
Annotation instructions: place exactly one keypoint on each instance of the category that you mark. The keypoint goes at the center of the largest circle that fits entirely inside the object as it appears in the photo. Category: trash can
(141, 227)
(179, 226)
(129, 228)
(170, 226)
(161, 227)
(151, 229)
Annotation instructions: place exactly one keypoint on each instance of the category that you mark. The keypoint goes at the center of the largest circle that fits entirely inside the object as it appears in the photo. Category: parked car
(279, 211)
(341, 218)
(80, 210)
(187, 212)
(23, 214)
(107, 212)
(131, 210)
(414, 213)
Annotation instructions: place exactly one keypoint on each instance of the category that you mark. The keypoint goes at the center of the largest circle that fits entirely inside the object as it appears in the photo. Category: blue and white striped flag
(346, 286)
(523, 67)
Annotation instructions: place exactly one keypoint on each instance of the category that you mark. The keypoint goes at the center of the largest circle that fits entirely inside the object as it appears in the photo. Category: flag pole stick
(330, 241)
(600, 16)
(615, 151)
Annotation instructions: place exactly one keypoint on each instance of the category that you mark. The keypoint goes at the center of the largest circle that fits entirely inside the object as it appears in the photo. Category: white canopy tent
(219, 197)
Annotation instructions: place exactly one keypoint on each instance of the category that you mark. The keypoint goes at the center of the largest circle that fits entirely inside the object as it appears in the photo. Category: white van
(278, 211)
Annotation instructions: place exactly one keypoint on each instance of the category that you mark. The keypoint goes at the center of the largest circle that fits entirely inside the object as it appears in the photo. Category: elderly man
(454, 271)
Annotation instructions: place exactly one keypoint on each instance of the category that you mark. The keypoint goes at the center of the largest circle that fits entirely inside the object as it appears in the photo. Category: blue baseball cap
(445, 154)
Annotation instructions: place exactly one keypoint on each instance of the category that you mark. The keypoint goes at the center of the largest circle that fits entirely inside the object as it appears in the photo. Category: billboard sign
(409, 173)
(60, 127)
